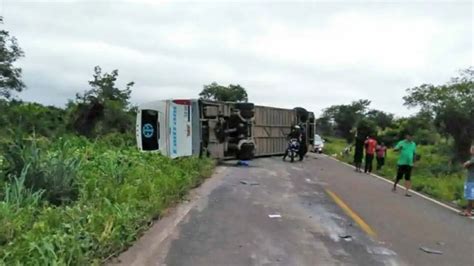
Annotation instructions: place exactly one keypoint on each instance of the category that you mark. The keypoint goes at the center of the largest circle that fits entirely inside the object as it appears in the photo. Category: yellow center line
(352, 214)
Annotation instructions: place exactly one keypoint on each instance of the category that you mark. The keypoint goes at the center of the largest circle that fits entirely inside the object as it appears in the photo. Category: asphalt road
(330, 215)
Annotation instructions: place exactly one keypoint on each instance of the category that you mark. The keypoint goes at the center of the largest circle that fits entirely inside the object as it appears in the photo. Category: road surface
(330, 215)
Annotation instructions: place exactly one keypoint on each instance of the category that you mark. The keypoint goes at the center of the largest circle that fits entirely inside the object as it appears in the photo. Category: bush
(425, 137)
(31, 118)
(118, 140)
(389, 136)
(17, 194)
(119, 191)
(334, 145)
(53, 172)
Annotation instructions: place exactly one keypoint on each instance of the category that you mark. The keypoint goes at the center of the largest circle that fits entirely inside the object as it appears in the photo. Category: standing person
(469, 185)
(370, 145)
(407, 149)
(358, 153)
(381, 151)
(303, 144)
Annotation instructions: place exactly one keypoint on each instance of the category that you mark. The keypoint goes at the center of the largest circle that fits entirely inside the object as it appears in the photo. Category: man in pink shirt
(370, 145)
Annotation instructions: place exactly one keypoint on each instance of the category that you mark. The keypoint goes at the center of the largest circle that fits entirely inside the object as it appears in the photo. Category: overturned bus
(221, 130)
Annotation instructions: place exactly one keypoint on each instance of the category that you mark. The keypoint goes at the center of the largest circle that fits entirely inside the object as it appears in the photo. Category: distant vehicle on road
(318, 144)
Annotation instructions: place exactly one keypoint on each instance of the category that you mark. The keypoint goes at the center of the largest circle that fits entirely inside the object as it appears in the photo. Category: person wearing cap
(295, 133)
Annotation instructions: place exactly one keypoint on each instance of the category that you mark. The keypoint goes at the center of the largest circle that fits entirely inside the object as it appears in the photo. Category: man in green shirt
(407, 149)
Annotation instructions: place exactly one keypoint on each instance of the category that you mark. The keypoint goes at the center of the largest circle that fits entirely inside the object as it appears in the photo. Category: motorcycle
(293, 149)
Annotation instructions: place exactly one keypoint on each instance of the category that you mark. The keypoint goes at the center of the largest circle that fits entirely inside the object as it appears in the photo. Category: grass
(119, 192)
(433, 175)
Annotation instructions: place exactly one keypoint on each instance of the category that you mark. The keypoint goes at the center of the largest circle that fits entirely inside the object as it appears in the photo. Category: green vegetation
(334, 146)
(443, 130)
(231, 93)
(103, 108)
(74, 189)
(447, 113)
(452, 106)
(340, 120)
(10, 76)
(76, 202)
(433, 175)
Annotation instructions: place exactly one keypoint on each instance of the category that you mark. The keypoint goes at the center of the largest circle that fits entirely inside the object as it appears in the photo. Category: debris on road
(243, 163)
(381, 251)
(348, 238)
(431, 251)
(274, 215)
(249, 183)
(441, 243)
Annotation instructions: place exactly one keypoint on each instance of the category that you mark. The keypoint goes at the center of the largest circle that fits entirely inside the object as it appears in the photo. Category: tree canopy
(452, 106)
(345, 117)
(103, 108)
(10, 76)
(22, 118)
(380, 118)
(231, 93)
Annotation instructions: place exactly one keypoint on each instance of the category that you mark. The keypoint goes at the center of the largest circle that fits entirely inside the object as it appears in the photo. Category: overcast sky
(286, 54)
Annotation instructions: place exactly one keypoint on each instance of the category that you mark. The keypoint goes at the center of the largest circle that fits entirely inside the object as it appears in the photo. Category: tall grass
(17, 195)
(52, 170)
(93, 201)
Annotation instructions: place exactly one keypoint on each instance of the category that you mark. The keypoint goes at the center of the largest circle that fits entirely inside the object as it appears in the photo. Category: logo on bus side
(148, 130)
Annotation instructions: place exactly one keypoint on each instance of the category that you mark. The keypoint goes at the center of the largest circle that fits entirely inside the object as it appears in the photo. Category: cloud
(310, 54)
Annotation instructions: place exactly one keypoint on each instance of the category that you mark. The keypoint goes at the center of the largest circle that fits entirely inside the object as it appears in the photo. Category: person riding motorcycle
(295, 133)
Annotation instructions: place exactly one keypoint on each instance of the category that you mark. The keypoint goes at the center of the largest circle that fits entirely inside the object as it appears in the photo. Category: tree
(390, 136)
(102, 109)
(345, 117)
(366, 127)
(231, 93)
(452, 106)
(324, 126)
(10, 76)
(22, 118)
(380, 118)
(420, 126)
